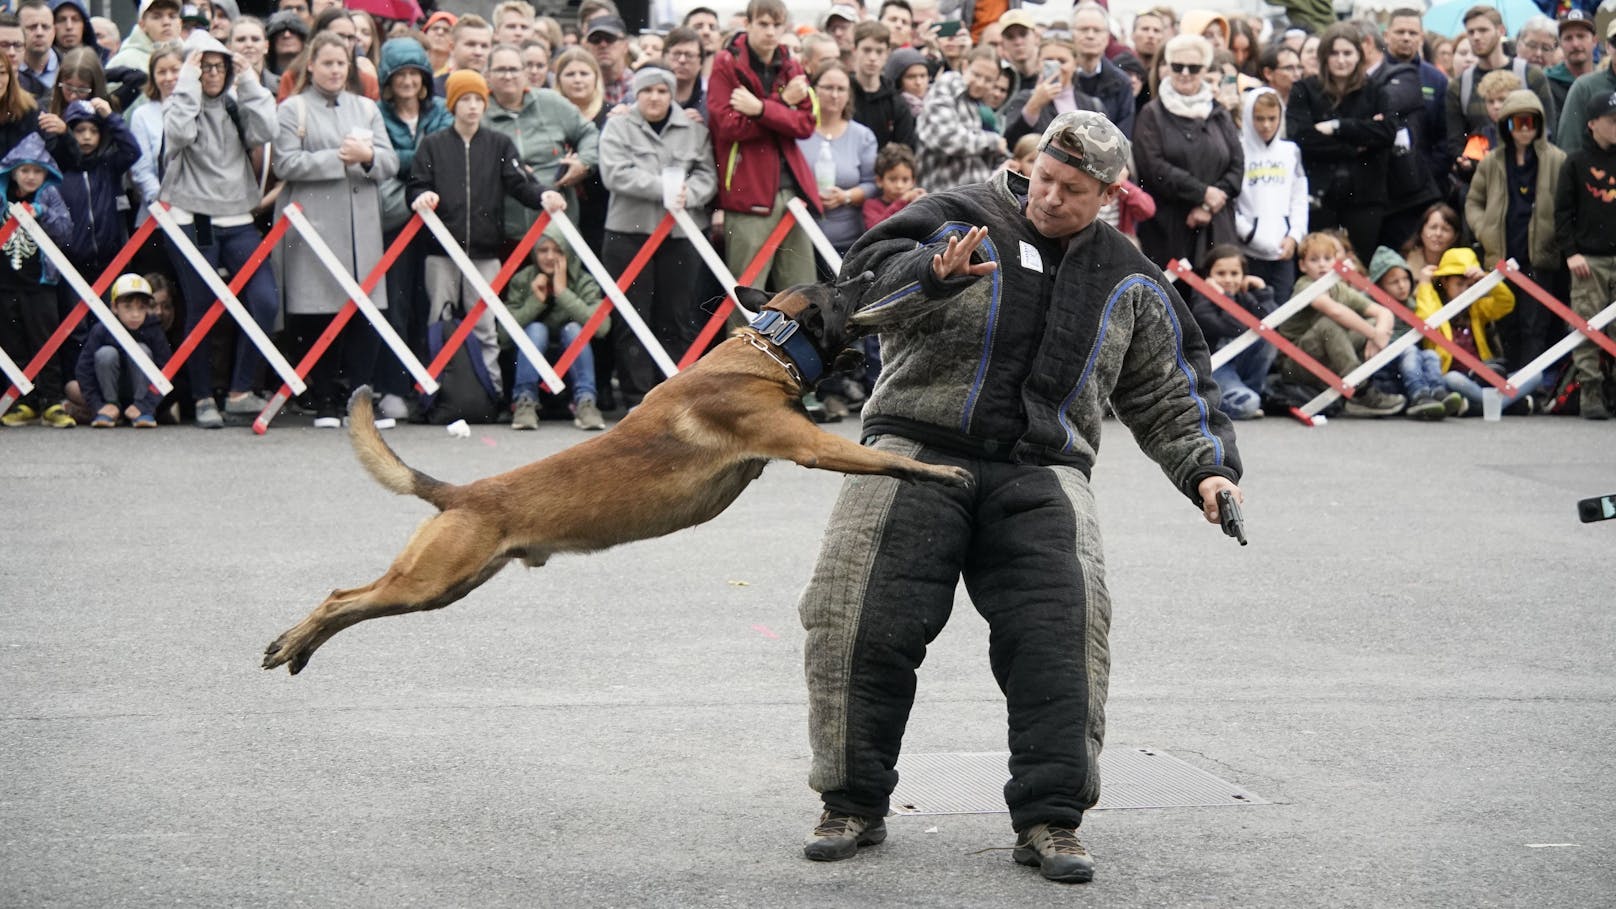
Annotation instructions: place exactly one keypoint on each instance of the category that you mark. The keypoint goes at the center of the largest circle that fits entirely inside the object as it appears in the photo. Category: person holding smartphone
(1033, 109)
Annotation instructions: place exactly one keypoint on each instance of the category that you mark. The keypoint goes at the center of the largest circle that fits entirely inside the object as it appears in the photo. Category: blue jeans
(1471, 389)
(230, 249)
(1241, 381)
(581, 376)
(1421, 370)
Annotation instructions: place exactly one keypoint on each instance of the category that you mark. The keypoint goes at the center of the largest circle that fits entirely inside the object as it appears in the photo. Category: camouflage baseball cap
(1089, 142)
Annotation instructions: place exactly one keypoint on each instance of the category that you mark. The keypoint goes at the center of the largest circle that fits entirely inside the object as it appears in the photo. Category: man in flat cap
(1002, 345)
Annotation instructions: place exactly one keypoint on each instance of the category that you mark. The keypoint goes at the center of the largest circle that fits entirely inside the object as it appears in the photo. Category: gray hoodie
(208, 169)
(632, 156)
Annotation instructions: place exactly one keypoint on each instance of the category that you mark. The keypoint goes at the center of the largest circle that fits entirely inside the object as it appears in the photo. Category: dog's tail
(379, 459)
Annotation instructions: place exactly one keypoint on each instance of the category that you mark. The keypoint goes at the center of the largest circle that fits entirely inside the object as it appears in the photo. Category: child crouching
(111, 383)
(1241, 380)
(1418, 370)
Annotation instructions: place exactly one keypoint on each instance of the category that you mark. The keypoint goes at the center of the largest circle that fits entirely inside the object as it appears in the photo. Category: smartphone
(1601, 508)
(1051, 70)
(948, 28)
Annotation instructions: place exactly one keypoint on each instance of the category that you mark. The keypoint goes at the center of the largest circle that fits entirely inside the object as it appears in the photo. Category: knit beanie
(649, 75)
(459, 83)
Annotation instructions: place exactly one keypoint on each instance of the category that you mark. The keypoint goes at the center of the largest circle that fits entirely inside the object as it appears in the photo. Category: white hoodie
(1272, 204)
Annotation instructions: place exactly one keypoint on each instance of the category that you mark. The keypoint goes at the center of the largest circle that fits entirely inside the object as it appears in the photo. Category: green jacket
(575, 304)
(1487, 203)
(1573, 130)
(545, 130)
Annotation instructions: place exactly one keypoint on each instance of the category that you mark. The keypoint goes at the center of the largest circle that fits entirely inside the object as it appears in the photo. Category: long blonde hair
(579, 55)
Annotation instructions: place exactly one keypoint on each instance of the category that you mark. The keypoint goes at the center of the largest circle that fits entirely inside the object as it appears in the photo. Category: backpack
(465, 390)
(1467, 82)
(1280, 396)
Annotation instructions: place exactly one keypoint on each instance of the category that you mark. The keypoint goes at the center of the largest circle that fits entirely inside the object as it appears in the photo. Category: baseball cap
(1101, 150)
(841, 11)
(148, 4)
(1601, 105)
(191, 14)
(609, 25)
(131, 284)
(444, 16)
(1577, 19)
(1016, 17)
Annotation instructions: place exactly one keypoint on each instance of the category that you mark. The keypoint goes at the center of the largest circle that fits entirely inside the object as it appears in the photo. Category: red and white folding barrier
(623, 282)
(799, 210)
(91, 297)
(340, 320)
(1183, 271)
(225, 298)
(1392, 351)
(13, 372)
(771, 243)
(1591, 329)
(65, 329)
(512, 264)
(489, 297)
(1291, 307)
(625, 310)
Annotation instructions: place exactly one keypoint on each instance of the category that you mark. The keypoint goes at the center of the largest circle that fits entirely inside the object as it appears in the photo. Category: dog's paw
(282, 652)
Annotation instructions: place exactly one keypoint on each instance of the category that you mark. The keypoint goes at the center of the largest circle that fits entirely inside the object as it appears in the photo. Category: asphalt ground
(1413, 660)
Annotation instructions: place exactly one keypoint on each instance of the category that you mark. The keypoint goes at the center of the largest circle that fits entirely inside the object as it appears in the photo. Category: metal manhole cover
(973, 783)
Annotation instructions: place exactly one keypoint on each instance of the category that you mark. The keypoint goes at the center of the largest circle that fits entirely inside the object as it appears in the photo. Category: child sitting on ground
(554, 296)
(1418, 371)
(895, 177)
(111, 383)
(1241, 380)
(28, 312)
(1339, 330)
(1457, 272)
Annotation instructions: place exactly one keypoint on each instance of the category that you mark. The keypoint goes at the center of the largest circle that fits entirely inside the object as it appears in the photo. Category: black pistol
(1234, 523)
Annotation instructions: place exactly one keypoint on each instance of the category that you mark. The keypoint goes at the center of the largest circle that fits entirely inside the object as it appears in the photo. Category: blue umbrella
(1448, 18)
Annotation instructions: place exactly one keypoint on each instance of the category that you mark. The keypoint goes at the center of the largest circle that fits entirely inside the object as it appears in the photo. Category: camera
(1599, 508)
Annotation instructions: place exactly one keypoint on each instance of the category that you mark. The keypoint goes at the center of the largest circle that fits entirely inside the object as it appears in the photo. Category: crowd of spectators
(1263, 153)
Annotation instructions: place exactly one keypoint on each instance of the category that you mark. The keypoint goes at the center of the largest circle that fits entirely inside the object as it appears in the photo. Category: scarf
(1195, 107)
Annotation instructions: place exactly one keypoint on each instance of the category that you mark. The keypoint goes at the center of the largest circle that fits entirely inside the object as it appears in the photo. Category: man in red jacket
(758, 107)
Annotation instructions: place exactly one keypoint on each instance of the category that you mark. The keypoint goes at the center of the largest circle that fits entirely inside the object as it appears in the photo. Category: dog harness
(773, 327)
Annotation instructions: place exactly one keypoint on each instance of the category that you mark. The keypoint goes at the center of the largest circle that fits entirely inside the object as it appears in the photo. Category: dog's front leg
(810, 446)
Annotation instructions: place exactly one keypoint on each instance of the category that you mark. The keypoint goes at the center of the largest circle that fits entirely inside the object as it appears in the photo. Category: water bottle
(825, 166)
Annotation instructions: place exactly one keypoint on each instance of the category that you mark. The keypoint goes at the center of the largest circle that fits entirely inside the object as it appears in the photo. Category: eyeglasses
(215, 67)
(10, 45)
(1541, 47)
(438, 30)
(505, 71)
(76, 91)
(1193, 69)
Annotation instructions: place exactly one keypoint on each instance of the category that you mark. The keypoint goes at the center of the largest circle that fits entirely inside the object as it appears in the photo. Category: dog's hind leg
(447, 558)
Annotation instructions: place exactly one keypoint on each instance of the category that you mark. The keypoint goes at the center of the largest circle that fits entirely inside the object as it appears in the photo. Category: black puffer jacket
(1348, 167)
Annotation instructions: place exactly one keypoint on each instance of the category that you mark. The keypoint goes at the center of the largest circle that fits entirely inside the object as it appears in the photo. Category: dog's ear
(752, 298)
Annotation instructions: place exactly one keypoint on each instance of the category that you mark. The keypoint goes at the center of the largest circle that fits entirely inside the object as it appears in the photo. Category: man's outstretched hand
(955, 261)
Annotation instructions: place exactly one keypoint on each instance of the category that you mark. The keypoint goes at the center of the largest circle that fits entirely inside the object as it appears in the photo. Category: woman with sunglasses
(1189, 158)
(1338, 119)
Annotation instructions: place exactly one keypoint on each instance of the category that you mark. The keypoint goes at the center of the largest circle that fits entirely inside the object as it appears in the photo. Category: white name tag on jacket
(1030, 259)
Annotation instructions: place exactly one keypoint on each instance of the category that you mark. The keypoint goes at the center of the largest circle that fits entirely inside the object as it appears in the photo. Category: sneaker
(1057, 852)
(1523, 406)
(1455, 405)
(1426, 406)
(587, 415)
(207, 415)
(248, 404)
(1371, 402)
(57, 417)
(526, 415)
(328, 416)
(1591, 403)
(21, 415)
(836, 407)
(394, 408)
(838, 836)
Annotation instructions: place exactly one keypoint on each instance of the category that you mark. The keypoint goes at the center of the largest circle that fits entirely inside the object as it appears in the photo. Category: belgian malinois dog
(677, 460)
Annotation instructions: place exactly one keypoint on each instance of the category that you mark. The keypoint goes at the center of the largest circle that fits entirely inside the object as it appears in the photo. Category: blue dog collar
(783, 333)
